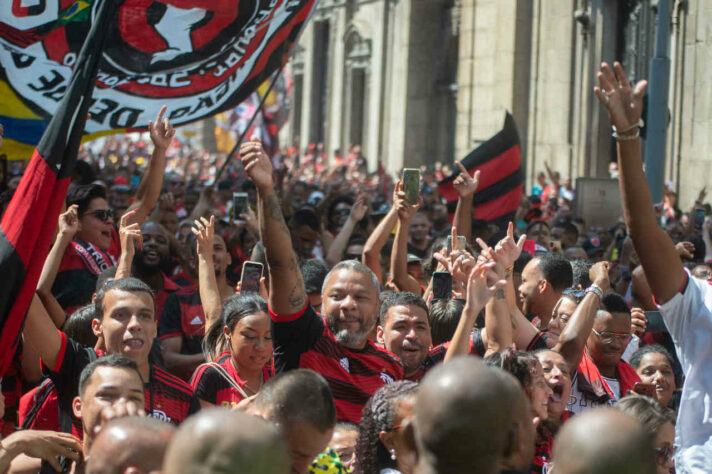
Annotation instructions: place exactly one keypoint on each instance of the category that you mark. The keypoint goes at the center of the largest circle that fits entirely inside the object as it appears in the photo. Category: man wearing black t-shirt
(125, 319)
(336, 346)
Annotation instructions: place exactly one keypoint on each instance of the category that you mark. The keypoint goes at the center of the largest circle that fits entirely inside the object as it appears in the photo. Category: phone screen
(239, 205)
(411, 184)
(442, 285)
(250, 279)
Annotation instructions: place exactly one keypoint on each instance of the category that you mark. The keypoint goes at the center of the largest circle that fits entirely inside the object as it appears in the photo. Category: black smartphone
(442, 285)
(239, 205)
(699, 219)
(655, 322)
(411, 184)
(250, 279)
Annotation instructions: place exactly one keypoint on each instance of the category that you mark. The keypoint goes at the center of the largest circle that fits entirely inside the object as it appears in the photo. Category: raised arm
(572, 340)
(478, 293)
(204, 231)
(149, 188)
(337, 247)
(465, 185)
(41, 332)
(68, 226)
(399, 256)
(654, 248)
(378, 238)
(130, 237)
(286, 292)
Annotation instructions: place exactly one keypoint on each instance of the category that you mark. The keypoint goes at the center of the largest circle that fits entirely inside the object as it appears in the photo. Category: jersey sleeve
(293, 335)
(170, 318)
(72, 359)
(205, 383)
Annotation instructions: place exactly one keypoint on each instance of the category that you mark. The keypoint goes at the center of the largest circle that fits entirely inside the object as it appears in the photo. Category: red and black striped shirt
(303, 340)
(167, 397)
(183, 317)
(210, 385)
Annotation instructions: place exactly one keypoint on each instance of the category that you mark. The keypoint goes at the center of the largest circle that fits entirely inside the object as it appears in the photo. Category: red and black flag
(499, 160)
(31, 217)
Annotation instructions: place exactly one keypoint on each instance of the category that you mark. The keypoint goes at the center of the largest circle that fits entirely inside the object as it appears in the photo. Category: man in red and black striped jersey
(337, 345)
(125, 311)
(404, 329)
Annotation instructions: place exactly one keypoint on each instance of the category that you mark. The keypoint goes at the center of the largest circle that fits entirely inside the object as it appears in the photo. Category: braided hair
(379, 415)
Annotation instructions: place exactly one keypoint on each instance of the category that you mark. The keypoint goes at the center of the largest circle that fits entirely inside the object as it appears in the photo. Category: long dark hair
(234, 309)
(379, 415)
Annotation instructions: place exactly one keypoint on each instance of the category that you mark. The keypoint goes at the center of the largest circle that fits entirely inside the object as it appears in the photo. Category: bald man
(130, 444)
(465, 421)
(218, 440)
(603, 441)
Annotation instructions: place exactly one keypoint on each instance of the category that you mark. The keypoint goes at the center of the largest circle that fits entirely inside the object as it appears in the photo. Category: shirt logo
(160, 415)
(386, 378)
(344, 363)
(196, 321)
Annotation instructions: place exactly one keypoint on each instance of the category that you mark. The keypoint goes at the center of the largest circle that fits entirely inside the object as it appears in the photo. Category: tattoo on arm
(499, 294)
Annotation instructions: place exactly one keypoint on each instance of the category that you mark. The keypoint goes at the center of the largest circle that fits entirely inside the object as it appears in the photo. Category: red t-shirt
(303, 340)
(210, 385)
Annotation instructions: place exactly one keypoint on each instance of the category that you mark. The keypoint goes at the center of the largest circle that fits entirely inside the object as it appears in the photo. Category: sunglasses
(102, 214)
(665, 454)
(577, 294)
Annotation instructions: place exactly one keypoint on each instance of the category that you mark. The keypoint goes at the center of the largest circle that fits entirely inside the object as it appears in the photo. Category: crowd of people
(151, 345)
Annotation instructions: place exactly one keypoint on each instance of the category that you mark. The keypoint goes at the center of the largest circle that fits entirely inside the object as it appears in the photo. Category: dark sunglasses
(102, 214)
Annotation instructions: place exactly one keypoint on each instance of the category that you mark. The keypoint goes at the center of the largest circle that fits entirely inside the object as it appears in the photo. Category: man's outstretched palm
(624, 104)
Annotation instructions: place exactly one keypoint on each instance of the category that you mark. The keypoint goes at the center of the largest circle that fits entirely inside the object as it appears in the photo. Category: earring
(393, 454)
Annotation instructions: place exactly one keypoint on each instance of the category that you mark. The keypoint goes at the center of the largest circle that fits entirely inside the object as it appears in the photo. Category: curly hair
(518, 363)
(379, 415)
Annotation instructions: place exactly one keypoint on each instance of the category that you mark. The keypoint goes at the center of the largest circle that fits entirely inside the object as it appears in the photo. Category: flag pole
(247, 127)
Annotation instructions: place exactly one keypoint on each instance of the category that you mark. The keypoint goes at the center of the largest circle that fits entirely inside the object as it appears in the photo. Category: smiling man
(405, 331)
(336, 346)
(125, 319)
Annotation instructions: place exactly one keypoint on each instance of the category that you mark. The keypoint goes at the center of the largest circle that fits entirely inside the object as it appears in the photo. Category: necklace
(247, 387)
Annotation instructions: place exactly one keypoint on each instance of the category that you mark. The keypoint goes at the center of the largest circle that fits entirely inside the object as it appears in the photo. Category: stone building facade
(415, 81)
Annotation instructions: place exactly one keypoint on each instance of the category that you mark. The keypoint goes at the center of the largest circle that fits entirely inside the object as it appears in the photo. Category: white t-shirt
(688, 317)
(579, 404)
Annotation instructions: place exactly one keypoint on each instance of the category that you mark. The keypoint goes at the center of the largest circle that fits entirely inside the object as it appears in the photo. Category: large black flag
(499, 160)
(31, 217)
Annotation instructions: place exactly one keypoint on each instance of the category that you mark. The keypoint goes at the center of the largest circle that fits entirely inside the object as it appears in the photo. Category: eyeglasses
(665, 454)
(607, 337)
(102, 214)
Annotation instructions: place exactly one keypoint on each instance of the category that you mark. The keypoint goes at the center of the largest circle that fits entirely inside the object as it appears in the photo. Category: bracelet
(621, 138)
(638, 124)
(508, 271)
(596, 290)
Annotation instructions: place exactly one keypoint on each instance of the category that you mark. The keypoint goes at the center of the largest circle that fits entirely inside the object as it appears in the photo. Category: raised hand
(638, 321)
(167, 202)
(405, 210)
(464, 184)
(358, 210)
(507, 251)
(69, 222)
(162, 131)
(686, 250)
(478, 291)
(624, 104)
(598, 274)
(130, 234)
(256, 163)
(204, 231)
